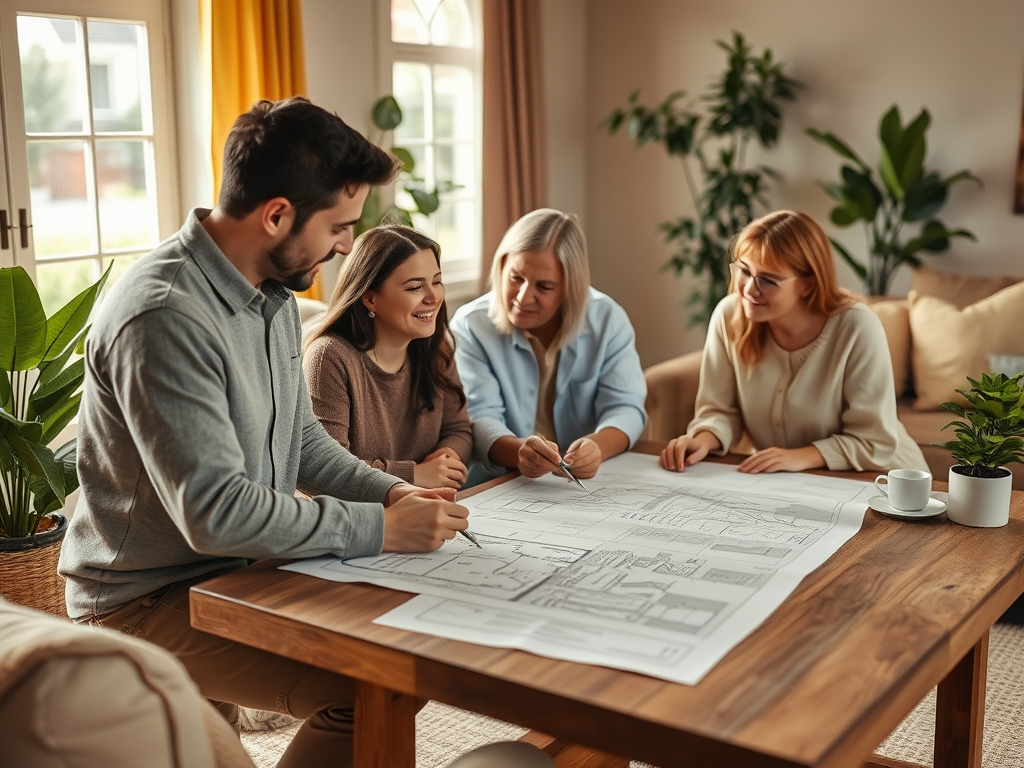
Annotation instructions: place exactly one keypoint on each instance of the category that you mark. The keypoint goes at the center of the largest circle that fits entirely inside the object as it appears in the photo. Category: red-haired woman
(795, 362)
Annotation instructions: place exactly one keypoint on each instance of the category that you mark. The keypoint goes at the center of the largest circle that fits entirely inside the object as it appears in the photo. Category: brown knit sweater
(376, 415)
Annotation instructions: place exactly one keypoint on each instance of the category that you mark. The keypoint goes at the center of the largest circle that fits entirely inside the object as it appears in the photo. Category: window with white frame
(87, 126)
(432, 65)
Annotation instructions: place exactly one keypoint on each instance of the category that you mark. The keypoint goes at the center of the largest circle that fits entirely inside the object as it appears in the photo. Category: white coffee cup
(908, 489)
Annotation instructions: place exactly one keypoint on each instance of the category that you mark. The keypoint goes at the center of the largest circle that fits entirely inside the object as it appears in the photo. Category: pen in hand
(568, 473)
(472, 538)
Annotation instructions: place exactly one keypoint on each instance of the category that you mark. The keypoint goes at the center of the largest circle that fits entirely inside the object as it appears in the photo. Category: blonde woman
(549, 364)
(795, 362)
(379, 363)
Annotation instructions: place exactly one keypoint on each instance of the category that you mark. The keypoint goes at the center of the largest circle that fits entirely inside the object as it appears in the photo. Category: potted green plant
(387, 116)
(908, 196)
(989, 435)
(741, 106)
(40, 381)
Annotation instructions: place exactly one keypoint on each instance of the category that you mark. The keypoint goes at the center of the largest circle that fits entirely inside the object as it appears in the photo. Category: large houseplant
(908, 196)
(387, 116)
(742, 105)
(989, 435)
(40, 382)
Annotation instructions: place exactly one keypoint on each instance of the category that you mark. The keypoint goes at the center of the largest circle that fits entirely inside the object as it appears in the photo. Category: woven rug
(443, 733)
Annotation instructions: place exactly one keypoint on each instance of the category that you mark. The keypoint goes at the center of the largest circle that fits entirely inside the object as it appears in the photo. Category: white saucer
(931, 509)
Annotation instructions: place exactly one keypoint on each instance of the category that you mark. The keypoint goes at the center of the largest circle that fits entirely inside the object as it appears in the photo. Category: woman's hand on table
(441, 469)
(686, 450)
(782, 460)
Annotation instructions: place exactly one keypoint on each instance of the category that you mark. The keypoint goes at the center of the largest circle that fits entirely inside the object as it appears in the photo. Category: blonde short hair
(538, 231)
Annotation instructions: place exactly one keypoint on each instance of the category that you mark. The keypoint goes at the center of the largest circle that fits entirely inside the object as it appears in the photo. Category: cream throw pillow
(950, 344)
(895, 317)
(961, 290)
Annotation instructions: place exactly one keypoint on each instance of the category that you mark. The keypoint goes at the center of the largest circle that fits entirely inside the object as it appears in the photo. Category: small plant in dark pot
(989, 435)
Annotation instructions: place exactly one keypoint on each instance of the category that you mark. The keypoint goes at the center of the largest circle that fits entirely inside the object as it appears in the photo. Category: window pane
(52, 74)
(407, 26)
(128, 216)
(452, 25)
(60, 282)
(456, 163)
(456, 228)
(63, 217)
(121, 264)
(412, 86)
(453, 103)
(118, 61)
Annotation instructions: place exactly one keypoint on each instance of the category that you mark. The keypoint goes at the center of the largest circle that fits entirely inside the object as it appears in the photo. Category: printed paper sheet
(652, 571)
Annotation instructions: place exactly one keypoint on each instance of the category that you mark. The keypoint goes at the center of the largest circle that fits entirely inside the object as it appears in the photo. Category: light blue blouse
(599, 382)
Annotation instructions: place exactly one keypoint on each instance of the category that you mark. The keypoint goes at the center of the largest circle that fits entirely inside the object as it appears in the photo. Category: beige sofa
(948, 328)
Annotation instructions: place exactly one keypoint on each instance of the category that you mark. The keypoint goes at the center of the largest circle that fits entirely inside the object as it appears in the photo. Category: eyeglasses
(764, 285)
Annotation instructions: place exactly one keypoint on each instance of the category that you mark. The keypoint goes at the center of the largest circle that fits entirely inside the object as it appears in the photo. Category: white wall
(567, 122)
(963, 61)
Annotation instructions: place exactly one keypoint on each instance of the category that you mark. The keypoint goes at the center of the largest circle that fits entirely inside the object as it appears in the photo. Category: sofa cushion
(959, 290)
(76, 696)
(950, 344)
(895, 317)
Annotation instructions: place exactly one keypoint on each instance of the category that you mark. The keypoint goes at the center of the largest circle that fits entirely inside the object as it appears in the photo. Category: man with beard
(196, 428)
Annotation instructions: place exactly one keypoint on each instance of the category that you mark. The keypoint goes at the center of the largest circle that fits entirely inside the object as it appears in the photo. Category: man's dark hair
(301, 152)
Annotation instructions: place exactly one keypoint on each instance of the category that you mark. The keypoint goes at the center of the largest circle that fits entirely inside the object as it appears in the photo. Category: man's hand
(538, 456)
(399, 491)
(584, 457)
(782, 460)
(422, 523)
(441, 469)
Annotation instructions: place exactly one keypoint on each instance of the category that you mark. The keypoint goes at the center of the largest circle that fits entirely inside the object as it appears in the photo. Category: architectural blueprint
(651, 571)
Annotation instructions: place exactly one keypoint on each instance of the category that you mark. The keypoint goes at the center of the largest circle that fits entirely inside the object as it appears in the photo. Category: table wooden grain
(900, 608)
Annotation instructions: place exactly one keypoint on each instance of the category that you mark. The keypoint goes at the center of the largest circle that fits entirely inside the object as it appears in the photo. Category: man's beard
(295, 280)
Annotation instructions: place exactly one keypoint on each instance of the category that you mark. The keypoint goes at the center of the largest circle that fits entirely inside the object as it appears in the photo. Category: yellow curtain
(255, 52)
(515, 143)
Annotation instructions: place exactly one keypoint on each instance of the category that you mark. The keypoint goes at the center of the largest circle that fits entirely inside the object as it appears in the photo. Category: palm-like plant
(990, 431)
(743, 105)
(908, 196)
(39, 395)
(387, 116)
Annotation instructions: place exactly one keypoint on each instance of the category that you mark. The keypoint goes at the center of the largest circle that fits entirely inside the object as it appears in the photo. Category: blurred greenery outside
(68, 226)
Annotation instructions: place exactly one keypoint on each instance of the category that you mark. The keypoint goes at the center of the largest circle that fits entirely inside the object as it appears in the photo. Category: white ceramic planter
(980, 502)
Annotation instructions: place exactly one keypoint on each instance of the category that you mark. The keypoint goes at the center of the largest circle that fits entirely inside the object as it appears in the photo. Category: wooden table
(901, 608)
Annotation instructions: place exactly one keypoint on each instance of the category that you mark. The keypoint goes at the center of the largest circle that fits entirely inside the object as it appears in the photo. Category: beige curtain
(514, 145)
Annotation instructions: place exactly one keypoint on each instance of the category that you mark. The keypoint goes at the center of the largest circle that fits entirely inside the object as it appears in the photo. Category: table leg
(385, 734)
(960, 711)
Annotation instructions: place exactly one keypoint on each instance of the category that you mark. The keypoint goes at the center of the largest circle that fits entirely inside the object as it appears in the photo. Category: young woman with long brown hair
(795, 362)
(380, 363)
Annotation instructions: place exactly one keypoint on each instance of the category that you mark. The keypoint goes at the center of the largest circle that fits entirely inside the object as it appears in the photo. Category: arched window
(431, 64)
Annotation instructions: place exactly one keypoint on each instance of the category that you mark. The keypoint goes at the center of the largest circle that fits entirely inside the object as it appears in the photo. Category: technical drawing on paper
(502, 569)
(657, 591)
(568, 639)
(693, 562)
(698, 519)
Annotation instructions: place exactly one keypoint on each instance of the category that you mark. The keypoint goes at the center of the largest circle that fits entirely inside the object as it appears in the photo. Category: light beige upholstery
(79, 697)
(671, 393)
